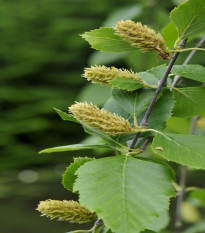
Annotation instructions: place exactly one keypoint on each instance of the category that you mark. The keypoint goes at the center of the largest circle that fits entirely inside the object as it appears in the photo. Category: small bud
(100, 119)
(143, 37)
(102, 74)
(70, 211)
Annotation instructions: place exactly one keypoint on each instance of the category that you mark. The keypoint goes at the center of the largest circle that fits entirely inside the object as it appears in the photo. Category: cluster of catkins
(99, 119)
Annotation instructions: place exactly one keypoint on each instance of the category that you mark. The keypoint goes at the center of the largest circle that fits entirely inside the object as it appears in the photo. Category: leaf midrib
(123, 191)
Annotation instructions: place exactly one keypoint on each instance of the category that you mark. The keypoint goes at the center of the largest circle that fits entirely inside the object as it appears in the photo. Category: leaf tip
(43, 151)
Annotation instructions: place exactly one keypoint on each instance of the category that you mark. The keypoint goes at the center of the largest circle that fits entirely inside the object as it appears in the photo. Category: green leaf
(158, 71)
(170, 34)
(199, 194)
(113, 188)
(74, 147)
(126, 84)
(69, 176)
(161, 111)
(105, 40)
(65, 116)
(183, 149)
(112, 106)
(161, 222)
(148, 78)
(133, 103)
(189, 18)
(189, 101)
(194, 72)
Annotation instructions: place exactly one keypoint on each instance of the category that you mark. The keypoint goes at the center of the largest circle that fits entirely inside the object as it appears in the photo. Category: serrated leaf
(194, 72)
(189, 101)
(113, 188)
(126, 84)
(74, 147)
(133, 103)
(160, 223)
(161, 111)
(158, 72)
(105, 40)
(65, 116)
(69, 176)
(148, 78)
(189, 18)
(183, 149)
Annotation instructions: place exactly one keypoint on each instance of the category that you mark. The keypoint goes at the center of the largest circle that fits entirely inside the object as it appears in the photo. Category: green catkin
(100, 119)
(70, 211)
(142, 37)
(102, 74)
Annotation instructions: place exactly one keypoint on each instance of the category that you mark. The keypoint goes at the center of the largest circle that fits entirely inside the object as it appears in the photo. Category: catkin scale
(100, 119)
(142, 37)
(70, 211)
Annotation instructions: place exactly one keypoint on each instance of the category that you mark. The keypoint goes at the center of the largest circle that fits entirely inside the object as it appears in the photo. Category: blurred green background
(42, 58)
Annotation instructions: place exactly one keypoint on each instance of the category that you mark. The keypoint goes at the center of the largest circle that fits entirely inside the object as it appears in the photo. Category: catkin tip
(142, 37)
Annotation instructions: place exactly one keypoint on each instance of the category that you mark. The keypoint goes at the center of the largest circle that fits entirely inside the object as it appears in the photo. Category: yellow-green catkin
(142, 37)
(101, 120)
(102, 74)
(70, 211)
